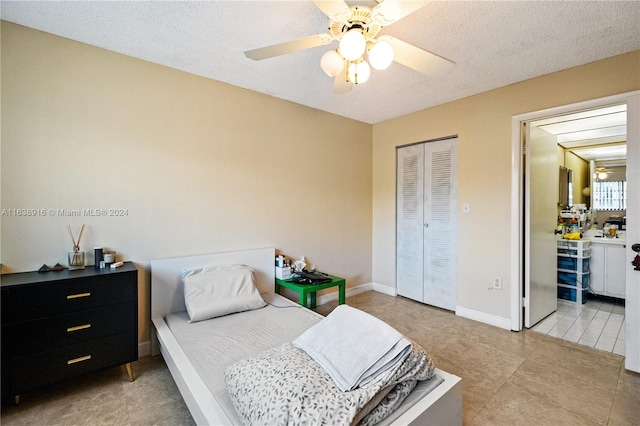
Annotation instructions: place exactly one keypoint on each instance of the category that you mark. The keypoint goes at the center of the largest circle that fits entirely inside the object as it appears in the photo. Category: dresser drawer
(49, 333)
(29, 302)
(65, 363)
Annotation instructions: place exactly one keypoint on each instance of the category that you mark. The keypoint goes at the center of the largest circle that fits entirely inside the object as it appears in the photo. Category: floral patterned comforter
(285, 386)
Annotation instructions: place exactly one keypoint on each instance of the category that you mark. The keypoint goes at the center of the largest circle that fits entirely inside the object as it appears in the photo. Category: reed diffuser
(76, 257)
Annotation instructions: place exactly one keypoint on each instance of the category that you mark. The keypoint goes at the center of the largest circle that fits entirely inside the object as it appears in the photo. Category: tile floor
(599, 324)
(105, 398)
(514, 378)
(509, 378)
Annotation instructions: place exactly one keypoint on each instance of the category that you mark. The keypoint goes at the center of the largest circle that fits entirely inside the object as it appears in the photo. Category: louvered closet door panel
(409, 223)
(440, 201)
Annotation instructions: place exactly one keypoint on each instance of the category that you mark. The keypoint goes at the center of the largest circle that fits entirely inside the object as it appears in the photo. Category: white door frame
(517, 195)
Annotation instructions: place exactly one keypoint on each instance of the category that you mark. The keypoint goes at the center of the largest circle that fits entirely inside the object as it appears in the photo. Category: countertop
(599, 240)
(604, 240)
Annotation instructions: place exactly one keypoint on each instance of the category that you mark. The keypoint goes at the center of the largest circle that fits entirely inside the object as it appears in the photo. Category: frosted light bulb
(353, 44)
(381, 55)
(332, 63)
(359, 72)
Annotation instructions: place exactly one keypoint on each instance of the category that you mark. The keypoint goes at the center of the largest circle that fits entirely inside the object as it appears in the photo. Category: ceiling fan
(357, 28)
(602, 172)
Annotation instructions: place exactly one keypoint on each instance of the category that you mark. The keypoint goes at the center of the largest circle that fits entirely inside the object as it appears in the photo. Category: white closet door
(440, 224)
(409, 222)
(427, 223)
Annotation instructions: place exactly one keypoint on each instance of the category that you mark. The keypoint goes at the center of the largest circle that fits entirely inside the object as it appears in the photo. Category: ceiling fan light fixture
(381, 55)
(602, 175)
(358, 72)
(332, 63)
(353, 44)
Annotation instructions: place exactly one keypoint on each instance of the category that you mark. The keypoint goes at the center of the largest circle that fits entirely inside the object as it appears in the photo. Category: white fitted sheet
(215, 344)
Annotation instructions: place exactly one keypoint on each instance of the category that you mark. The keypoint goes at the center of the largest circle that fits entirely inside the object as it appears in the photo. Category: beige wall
(483, 124)
(200, 166)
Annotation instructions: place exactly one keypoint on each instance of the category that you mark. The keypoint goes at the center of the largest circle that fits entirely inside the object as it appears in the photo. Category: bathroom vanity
(607, 266)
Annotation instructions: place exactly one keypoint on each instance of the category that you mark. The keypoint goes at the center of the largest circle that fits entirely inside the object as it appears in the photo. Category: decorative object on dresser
(59, 326)
(76, 257)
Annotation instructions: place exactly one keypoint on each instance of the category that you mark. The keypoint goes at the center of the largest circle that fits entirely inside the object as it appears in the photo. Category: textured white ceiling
(492, 43)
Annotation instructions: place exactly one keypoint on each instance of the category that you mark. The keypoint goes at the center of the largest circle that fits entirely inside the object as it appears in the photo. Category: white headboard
(167, 292)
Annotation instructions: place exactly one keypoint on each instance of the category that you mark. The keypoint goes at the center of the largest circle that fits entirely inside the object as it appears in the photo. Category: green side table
(305, 290)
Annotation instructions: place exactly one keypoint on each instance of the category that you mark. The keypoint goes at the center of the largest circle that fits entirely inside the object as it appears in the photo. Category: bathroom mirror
(565, 197)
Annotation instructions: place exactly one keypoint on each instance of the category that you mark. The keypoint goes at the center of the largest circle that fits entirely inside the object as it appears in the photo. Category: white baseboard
(389, 291)
(484, 317)
(144, 348)
(325, 298)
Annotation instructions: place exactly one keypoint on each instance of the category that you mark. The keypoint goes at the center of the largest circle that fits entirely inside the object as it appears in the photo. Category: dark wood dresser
(59, 325)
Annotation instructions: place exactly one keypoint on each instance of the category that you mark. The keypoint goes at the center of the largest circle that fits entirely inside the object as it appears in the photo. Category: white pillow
(220, 290)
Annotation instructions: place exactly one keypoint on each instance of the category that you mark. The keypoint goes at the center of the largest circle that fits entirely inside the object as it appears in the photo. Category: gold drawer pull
(78, 327)
(82, 358)
(79, 295)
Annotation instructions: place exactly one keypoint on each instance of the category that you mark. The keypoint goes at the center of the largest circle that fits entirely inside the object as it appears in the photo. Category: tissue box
(283, 273)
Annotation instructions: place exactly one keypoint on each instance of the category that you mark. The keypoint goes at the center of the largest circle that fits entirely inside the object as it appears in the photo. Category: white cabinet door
(616, 272)
(607, 266)
(596, 267)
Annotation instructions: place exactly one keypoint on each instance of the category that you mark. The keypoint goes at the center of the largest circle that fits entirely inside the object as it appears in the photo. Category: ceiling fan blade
(390, 11)
(336, 10)
(418, 59)
(340, 83)
(288, 47)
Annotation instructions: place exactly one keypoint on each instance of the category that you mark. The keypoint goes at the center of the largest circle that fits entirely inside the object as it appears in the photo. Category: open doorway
(586, 275)
(522, 296)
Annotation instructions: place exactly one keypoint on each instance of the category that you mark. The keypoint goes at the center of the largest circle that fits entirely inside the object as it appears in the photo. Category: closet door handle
(426, 225)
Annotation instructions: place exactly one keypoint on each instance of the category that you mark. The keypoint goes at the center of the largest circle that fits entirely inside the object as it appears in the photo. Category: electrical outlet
(497, 283)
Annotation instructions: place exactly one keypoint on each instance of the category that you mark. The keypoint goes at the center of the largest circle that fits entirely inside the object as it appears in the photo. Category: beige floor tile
(521, 344)
(60, 400)
(578, 394)
(171, 412)
(113, 412)
(105, 398)
(578, 361)
(484, 369)
(513, 405)
(626, 404)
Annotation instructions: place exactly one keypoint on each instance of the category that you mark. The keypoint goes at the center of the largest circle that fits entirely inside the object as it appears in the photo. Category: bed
(435, 401)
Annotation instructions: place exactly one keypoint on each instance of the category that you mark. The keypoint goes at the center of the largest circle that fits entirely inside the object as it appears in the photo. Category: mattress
(215, 344)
